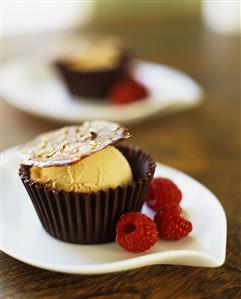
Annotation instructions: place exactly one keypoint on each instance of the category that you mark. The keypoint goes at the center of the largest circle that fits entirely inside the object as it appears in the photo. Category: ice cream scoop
(107, 168)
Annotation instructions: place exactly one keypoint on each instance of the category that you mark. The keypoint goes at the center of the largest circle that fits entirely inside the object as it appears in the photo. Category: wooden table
(204, 142)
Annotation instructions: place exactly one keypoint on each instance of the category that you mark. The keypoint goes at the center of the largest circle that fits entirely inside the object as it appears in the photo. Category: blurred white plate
(35, 87)
(24, 239)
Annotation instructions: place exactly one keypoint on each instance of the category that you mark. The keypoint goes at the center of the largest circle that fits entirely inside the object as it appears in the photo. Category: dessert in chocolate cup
(93, 66)
(81, 180)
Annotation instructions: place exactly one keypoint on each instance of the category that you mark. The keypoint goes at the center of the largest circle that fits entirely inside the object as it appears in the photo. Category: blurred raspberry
(127, 90)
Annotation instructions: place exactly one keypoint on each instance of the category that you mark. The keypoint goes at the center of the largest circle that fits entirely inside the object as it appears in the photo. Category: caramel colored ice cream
(95, 59)
(105, 169)
(92, 54)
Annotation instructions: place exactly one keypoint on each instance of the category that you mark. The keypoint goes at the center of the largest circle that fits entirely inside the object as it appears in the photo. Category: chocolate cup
(90, 218)
(91, 84)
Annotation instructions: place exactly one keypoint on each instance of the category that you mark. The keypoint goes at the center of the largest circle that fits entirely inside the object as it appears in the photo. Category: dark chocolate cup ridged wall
(90, 218)
(91, 84)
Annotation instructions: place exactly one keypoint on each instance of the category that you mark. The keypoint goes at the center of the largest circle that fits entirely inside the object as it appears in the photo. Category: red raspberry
(127, 90)
(136, 232)
(162, 192)
(171, 225)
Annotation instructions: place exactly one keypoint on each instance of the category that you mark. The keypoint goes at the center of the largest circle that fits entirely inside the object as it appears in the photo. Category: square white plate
(24, 239)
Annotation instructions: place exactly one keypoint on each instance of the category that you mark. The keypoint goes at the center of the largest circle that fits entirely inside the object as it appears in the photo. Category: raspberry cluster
(136, 232)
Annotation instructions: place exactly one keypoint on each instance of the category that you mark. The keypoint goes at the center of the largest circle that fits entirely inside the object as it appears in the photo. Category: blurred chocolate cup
(90, 218)
(94, 83)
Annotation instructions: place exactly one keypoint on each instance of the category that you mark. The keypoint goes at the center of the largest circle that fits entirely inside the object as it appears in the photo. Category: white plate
(24, 239)
(35, 87)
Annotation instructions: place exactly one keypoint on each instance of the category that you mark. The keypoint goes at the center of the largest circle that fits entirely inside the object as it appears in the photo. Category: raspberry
(127, 90)
(162, 192)
(171, 225)
(136, 232)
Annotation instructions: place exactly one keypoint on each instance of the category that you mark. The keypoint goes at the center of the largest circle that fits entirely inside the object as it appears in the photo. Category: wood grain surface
(204, 142)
